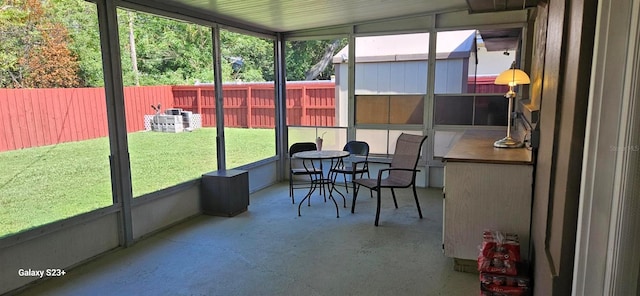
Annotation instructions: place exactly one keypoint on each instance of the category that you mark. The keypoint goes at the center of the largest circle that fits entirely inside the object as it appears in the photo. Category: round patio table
(309, 160)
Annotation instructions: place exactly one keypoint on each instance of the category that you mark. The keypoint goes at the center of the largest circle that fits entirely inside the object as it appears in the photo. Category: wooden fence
(253, 105)
(485, 85)
(39, 117)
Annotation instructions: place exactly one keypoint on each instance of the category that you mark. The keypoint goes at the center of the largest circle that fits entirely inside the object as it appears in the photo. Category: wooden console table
(485, 188)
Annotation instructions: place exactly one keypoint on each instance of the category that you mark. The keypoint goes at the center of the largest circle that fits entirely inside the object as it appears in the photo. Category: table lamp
(512, 78)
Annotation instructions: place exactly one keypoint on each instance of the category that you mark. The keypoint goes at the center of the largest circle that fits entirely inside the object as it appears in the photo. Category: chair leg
(355, 195)
(415, 195)
(378, 207)
(395, 202)
(291, 188)
(369, 177)
(322, 189)
(346, 186)
(313, 186)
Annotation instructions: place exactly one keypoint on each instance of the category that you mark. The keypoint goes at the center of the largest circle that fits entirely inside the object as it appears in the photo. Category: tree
(132, 48)
(58, 40)
(311, 57)
(255, 54)
(325, 59)
(36, 48)
(81, 21)
(168, 51)
(51, 64)
(13, 29)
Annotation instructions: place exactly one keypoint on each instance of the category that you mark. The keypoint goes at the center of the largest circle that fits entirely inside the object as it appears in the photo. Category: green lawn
(44, 184)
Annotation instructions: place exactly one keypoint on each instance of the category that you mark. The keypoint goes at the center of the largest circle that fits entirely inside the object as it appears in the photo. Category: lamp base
(508, 142)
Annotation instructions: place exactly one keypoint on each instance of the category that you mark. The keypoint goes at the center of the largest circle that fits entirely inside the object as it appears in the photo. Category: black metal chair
(354, 165)
(400, 174)
(297, 168)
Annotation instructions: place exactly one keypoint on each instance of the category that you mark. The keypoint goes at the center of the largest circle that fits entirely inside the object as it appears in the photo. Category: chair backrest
(302, 146)
(357, 148)
(299, 147)
(406, 156)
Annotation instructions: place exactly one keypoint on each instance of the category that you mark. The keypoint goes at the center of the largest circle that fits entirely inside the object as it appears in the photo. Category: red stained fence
(311, 105)
(253, 105)
(485, 85)
(39, 117)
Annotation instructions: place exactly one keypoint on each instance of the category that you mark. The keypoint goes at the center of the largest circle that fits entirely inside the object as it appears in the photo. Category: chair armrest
(397, 169)
(381, 171)
(354, 165)
(380, 162)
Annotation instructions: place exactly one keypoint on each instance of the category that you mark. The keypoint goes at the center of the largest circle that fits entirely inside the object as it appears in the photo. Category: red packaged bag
(495, 265)
(500, 246)
(495, 290)
(506, 280)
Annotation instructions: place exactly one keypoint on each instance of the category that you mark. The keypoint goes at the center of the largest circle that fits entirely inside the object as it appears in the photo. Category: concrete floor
(269, 250)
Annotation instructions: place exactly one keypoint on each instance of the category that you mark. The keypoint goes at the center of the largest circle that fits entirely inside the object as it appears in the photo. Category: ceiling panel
(295, 15)
(478, 6)
(501, 39)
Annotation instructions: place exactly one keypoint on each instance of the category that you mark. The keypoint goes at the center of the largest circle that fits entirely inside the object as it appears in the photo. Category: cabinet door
(483, 196)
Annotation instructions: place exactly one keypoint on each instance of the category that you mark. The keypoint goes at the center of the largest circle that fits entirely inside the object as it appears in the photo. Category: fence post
(303, 104)
(249, 102)
(199, 100)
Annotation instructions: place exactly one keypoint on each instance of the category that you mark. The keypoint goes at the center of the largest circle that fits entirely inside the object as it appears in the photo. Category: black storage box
(224, 193)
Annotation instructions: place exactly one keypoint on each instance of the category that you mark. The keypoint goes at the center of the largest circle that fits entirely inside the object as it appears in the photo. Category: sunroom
(376, 70)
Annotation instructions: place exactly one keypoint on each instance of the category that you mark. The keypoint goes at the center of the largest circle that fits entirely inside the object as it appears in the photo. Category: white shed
(397, 65)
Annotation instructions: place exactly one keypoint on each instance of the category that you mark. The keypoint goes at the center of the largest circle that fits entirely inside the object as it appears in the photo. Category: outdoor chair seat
(356, 164)
(384, 183)
(400, 174)
(297, 168)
